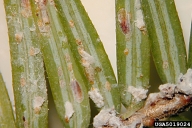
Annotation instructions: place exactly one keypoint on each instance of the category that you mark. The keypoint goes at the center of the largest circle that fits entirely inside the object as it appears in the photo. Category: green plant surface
(68, 86)
(89, 53)
(6, 113)
(168, 46)
(133, 52)
(178, 118)
(190, 50)
(56, 39)
(27, 66)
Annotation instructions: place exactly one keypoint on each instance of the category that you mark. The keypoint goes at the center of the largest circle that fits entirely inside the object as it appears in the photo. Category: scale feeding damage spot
(22, 81)
(76, 89)
(42, 8)
(107, 86)
(41, 12)
(26, 8)
(34, 51)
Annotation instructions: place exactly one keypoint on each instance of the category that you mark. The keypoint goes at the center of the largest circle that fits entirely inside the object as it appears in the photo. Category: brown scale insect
(18, 37)
(124, 21)
(76, 89)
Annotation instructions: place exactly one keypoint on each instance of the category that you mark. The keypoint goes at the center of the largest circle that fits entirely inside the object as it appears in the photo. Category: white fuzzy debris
(139, 22)
(85, 63)
(134, 124)
(68, 110)
(152, 98)
(107, 117)
(137, 4)
(87, 57)
(97, 98)
(38, 102)
(88, 62)
(167, 90)
(185, 83)
(138, 93)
